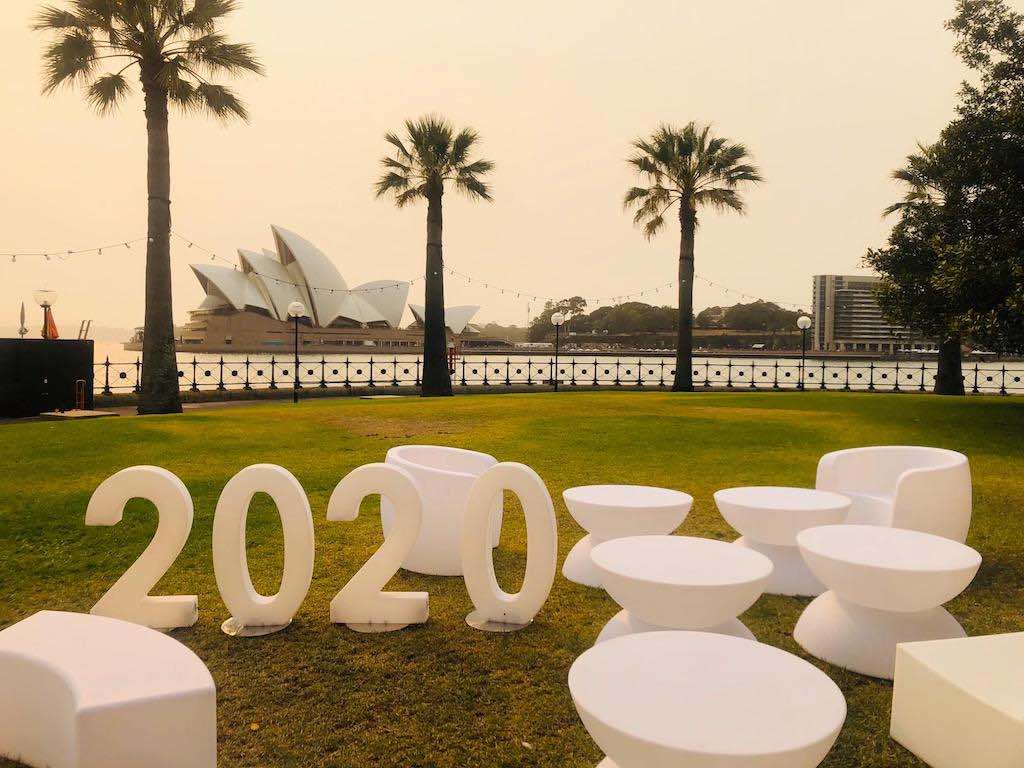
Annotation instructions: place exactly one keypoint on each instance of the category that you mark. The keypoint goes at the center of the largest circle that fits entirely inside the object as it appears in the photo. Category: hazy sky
(829, 95)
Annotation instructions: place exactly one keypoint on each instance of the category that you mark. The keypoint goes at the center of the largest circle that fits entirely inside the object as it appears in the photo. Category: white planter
(443, 477)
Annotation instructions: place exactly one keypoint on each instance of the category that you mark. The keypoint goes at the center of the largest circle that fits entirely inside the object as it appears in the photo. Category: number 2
(361, 604)
(129, 597)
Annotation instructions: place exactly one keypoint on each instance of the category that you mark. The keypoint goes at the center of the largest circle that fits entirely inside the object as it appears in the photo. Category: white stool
(886, 586)
(700, 700)
(81, 691)
(443, 478)
(608, 512)
(958, 703)
(768, 520)
(679, 582)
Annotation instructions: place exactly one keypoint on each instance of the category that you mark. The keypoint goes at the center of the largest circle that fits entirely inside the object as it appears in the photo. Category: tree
(954, 264)
(177, 47)
(913, 293)
(690, 169)
(430, 156)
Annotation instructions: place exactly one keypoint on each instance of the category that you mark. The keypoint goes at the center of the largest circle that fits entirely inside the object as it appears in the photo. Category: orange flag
(49, 327)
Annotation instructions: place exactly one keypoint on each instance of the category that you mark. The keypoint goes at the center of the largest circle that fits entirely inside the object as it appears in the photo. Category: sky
(829, 97)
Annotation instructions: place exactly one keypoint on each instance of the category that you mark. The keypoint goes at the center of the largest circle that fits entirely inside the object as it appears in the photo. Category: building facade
(847, 317)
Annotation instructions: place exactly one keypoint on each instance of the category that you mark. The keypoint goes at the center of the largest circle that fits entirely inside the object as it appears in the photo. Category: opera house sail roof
(267, 282)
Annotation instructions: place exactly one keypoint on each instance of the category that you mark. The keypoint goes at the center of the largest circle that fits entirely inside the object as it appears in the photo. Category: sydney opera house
(246, 307)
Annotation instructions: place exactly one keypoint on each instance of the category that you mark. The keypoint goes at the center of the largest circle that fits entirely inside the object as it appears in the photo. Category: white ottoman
(81, 691)
(960, 703)
(443, 477)
(768, 520)
(700, 700)
(608, 512)
(679, 582)
(886, 586)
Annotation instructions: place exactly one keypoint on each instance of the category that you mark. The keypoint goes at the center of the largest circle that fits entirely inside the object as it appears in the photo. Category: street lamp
(296, 310)
(46, 299)
(556, 320)
(803, 323)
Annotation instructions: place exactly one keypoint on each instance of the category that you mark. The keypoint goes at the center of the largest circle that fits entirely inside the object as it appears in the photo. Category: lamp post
(46, 299)
(803, 323)
(556, 320)
(296, 310)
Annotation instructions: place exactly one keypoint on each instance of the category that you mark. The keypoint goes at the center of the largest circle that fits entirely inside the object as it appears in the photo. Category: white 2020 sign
(362, 603)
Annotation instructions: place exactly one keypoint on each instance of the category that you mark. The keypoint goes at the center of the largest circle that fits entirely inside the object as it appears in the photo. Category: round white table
(886, 586)
(769, 519)
(700, 700)
(608, 512)
(679, 582)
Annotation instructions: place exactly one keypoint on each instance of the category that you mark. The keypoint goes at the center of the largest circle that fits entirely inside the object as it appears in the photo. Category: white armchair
(899, 486)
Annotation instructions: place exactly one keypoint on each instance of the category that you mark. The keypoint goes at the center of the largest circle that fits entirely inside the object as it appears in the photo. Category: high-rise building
(847, 317)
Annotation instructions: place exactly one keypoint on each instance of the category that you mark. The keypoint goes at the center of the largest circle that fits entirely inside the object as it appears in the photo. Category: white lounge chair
(900, 486)
(443, 477)
(81, 691)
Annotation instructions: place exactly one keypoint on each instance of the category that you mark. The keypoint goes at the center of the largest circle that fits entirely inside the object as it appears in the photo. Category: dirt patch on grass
(395, 427)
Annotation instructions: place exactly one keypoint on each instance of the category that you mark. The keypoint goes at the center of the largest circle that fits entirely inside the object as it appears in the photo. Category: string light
(520, 294)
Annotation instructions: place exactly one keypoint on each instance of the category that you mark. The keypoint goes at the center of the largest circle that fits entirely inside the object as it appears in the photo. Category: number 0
(249, 608)
(494, 606)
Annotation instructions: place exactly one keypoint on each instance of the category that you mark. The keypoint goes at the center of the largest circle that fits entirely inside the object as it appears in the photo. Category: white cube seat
(960, 703)
(82, 691)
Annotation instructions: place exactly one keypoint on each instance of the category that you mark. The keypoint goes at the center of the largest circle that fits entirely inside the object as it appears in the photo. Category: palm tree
(177, 47)
(430, 155)
(688, 168)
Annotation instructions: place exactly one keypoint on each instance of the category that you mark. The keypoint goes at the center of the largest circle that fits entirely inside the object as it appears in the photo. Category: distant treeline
(636, 317)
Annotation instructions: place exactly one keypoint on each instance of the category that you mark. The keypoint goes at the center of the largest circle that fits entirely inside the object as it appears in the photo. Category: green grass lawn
(442, 694)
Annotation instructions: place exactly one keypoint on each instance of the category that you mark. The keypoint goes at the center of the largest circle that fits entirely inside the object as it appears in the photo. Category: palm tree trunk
(159, 365)
(949, 378)
(437, 381)
(683, 381)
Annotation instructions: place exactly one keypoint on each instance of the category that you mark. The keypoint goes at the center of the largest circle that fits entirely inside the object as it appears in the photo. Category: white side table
(886, 586)
(769, 519)
(700, 700)
(679, 582)
(612, 511)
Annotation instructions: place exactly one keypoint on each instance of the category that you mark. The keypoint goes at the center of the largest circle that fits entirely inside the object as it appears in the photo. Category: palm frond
(653, 226)
(213, 53)
(220, 101)
(473, 187)
(460, 147)
(51, 17)
(396, 183)
(71, 59)
(107, 91)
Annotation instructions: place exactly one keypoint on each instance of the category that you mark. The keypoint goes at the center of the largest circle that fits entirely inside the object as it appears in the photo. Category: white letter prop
(252, 613)
(496, 610)
(129, 599)
(362, 604)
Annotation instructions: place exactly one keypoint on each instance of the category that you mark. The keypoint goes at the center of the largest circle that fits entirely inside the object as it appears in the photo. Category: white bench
(958, 703)
(81, 691)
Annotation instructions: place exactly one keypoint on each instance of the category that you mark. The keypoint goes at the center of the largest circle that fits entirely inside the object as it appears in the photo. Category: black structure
(40, 375)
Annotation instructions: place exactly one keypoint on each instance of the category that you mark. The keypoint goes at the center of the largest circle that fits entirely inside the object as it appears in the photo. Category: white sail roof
(325, 286)
(456, 319)
(235, 286)
(275, 282)
(299, 271)
(387, 297)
